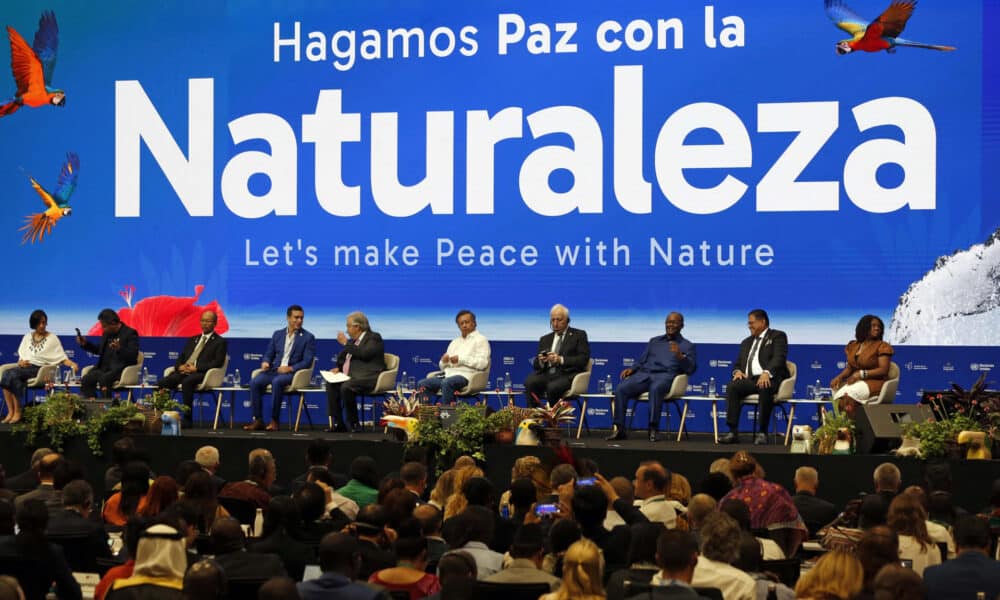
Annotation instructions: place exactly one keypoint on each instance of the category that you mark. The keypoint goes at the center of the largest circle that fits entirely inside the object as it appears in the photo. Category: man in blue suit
(666, 356)
(290, 349)
(972, 571)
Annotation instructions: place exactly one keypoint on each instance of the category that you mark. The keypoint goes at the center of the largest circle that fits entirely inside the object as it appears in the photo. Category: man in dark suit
(362, 359)
(677, 556)
(815, 512)
(201, 353)
(665, 357)
(83, 540)
(759, 370)
(28, 480)
(231, 554)
(119, 348)
(561, 355)
(289, 350)
(972, 571)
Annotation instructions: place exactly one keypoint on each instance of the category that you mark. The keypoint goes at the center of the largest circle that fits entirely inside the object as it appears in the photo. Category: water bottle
(145, 376)
(506, 382)
(258, 523)
(236, 378)
(403, 380)
(609, 388)
(711, 387)
(817, 390)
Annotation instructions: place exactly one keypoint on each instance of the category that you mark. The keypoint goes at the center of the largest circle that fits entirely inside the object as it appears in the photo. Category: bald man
(202, 352)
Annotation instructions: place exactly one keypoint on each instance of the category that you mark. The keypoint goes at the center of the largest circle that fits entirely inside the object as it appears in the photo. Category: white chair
(213, 379)
(385, 383)
(577, 388)
(44, 376)
(129, 375)
(888, 392)
(677, 390)
(786, 390)
(300, 381)
(480, 381)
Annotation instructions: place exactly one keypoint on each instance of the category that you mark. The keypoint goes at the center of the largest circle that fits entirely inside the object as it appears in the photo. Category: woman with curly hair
(836, 576)
(457, 502)
(583, 573)
(908, 519)
(868, 359)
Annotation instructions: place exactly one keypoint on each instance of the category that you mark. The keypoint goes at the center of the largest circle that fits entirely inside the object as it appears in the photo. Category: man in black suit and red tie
(759, 370)
(204, 351)
(362, 359)
(561, 355)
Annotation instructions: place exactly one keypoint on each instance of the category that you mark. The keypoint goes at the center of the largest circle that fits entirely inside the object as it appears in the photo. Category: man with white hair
(561, 354)
(815, 511)
(208, 458)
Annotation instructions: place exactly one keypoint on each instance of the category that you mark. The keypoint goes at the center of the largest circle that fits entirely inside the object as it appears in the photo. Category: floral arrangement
(976, 405)
(552, 415)
(401, 406)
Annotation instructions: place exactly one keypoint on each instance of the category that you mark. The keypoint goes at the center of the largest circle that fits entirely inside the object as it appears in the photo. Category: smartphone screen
(546, 509)
(586, 481)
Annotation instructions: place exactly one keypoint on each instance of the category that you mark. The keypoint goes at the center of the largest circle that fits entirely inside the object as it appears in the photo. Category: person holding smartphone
(561, 354)
(119, 348)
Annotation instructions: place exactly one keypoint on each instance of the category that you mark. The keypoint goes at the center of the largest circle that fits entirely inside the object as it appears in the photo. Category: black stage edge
(841, 477)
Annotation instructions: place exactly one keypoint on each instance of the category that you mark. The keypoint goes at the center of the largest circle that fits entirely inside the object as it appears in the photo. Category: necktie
(193, 360)
(347, 363)
(555, 350)
(753, 353)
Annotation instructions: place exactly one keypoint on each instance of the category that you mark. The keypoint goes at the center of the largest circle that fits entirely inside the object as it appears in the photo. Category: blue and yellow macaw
(33, 67)
(880, 34)
(39, 224)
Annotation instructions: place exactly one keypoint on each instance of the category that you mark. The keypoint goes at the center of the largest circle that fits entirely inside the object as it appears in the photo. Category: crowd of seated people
(555, 531)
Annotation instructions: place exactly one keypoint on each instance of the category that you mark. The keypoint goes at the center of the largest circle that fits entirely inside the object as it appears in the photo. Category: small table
(715, 414)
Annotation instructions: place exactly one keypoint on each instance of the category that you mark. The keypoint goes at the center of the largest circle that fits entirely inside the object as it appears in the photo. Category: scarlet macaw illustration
(39, 224)
(33, 66)
(880, 34)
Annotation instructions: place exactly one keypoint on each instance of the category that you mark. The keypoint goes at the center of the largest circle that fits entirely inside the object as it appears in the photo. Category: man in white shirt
(720, 547)
(467, 355)
(652, 480)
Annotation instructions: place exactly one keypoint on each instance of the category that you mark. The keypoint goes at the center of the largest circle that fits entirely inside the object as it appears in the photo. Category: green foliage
(937, 438)
(826, 434)
(465, 435)
(62, 416)
(501, 420)
(162, 401)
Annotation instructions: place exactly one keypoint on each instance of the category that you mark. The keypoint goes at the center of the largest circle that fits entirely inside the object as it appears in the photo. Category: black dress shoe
(729, 438)
(616, 435)
(356, 428)
(760, 439)
(652, 435)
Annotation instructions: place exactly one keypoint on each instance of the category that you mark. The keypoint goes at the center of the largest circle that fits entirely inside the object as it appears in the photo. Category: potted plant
(465, 435)
(550, 416)
(400, 415)
(939, 438)
(826, 435)
(154, 405)
(57, 418)
(501, 425)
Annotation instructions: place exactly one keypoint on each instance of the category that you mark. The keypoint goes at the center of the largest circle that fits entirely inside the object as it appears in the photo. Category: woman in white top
(39, 348)
(908, 519)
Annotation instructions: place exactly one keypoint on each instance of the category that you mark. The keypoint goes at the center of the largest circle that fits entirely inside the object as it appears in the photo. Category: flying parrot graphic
(39, 224)
(880, 34)
(33, 66)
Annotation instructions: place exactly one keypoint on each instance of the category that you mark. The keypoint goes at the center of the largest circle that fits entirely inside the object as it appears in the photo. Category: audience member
(32, 559)
(815, 511)
(938, 533)
(199, 492)
(28, 480)
(676, 559)
(409, 575)
(254, 488)
(641, 559)
(836, 575)
(908, 519)
(652, 482)
(716, 484)
(282, 524)
(230, 551)
(771, 507)
(338, 507)
(10, 589)
(590, 508)
(520, 499)
(185, 470)
(972, 571)
(363, 486)
(319, 455)
(700, 506)
(375, 540)
(741, 513)
(208, 459)
(895, 582)
(132, 497)
(563, 534)
(473, 533)
(430, 523)
(527, 552)
(45, 491)
(457, 574)
(205, 580)
(751, 562)
(6, 515)
(583, 574)
(162, 493)
(278, 588)
(720, 548)
(160, 563)
(123, 451)
(133, 530)
(879, 546)
(414, 476)
(339, 559)
(457, 502)
(73, 525)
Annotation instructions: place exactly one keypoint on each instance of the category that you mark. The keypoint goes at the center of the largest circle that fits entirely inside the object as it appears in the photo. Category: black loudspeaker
(92, 408)
(880, 426)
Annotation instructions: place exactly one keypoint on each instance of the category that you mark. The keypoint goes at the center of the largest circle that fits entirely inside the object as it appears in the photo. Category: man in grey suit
(362, 359)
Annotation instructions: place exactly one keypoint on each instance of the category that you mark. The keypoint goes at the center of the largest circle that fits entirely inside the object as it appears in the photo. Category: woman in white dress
(39, 348)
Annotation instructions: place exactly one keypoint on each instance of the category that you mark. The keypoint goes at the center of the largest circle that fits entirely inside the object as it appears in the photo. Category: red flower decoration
(166, 316)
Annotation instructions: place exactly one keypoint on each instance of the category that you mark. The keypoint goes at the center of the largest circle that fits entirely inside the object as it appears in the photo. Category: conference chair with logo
(300, 381)
(677, 390)
(480, 381)
(577, 388)
(786, 389)
(213, 379)
(129, 376)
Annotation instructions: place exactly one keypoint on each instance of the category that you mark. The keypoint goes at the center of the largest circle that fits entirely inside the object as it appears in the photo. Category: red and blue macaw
(39, 224)
(880, 34)
(33, 66)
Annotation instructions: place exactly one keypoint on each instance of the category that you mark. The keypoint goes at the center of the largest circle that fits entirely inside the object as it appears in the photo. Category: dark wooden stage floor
(841, 477)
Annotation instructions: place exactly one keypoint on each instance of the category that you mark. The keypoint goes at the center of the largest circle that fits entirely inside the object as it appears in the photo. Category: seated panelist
(868, 359)
(665, 357)
(290, 349)
(467, 355)
(362, 359)
(202, 352)
(119, 348)
(561, 354)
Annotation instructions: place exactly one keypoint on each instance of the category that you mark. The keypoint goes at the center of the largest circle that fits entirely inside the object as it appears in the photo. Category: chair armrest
(129, 376)
(579, 385)
(301, 377)
(479, 382)
(7, 367)
(254, 374)
(85, 370)
(386, 381)
(213, 378)
(167, 371)
(434, 374)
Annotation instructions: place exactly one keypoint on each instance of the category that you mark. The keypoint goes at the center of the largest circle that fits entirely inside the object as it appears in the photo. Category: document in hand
(331, 377)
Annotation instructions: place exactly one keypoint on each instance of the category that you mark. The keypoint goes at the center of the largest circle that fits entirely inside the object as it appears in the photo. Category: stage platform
(841, 477)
